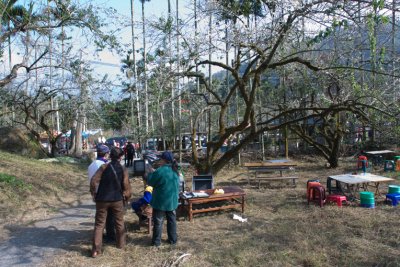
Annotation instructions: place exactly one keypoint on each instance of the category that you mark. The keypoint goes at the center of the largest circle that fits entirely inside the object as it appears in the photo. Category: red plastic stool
(310, 184)
(316, 194)
(336, 198)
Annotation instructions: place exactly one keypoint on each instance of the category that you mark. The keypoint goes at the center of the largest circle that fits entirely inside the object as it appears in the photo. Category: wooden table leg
(150, 224)
(351, 191)
(190, 211)
(377, 193)
(259, 181)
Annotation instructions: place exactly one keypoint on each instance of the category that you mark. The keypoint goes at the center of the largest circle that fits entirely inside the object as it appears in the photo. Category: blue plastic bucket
(367, 199)
(371, 206)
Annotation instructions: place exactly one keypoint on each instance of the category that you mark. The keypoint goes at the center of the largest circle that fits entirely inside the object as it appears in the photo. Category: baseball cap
(103, 149)
(167, 156)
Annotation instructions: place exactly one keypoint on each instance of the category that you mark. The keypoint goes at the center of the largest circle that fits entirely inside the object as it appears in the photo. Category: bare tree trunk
(178, 89)
(135, 80)
(146, 97)
(209, 82)
(171, 85)
(78, 136)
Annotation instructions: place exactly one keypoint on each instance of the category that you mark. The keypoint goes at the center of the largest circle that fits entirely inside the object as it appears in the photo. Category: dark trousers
(158, 219)
(102, 208)
(110, 226)
(130, 160)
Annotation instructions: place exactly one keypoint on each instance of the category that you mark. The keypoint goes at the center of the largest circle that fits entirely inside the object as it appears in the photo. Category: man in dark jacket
(113, 189)
(103, 153)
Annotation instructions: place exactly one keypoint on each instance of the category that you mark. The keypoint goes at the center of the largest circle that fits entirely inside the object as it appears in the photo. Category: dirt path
(60, 232)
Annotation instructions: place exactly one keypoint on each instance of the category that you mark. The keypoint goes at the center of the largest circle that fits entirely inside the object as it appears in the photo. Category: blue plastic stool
(394, 197)
(389, 165)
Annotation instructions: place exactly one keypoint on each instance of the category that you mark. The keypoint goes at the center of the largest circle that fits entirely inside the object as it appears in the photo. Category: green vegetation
(13, 182)
(41, 184)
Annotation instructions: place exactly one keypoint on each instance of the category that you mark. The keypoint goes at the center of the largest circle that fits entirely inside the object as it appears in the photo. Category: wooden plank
(269, 164)
(265, 169)
(276, 178)
(279, 178)
(225, 207)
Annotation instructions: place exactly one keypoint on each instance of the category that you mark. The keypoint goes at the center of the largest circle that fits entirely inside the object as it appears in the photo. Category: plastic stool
(394, 197)
(389, 165)
(397, 165)
(148, 222)
(336, 198)
(311, 183)
(316, 193)
(331, 189)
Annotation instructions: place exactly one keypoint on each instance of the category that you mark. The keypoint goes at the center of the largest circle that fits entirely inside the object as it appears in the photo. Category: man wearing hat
(103, 153)
(165, 183)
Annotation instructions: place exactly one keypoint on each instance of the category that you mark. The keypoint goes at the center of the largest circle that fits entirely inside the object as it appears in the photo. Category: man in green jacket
(165, 183)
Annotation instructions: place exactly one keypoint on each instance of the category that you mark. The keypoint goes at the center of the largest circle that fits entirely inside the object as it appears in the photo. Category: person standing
(114, 189)
(130, 152)
(103, 153)
(165, 183)
(125, 154)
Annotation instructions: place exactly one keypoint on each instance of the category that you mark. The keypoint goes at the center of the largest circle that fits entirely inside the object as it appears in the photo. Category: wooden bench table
(233, 197)
(260, 168)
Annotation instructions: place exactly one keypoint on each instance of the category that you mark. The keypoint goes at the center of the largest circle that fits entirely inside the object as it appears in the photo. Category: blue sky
(154, 8)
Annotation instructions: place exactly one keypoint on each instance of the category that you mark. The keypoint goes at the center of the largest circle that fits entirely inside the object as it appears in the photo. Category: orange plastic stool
(309, 184)
(316, 194)
(397, 165)
(336, 198)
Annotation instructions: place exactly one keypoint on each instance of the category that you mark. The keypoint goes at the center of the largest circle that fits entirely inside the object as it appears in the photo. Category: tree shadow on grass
(31, 245)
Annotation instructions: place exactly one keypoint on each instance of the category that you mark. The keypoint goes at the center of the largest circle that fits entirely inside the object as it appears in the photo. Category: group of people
(111, 190)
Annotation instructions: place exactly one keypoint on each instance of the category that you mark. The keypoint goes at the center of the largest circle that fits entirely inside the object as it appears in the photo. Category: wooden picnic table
(354, 182)
(259, 169)
(233, 197)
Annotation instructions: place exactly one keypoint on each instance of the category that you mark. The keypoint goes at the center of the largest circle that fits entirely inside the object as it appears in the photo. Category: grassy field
(282, 230)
